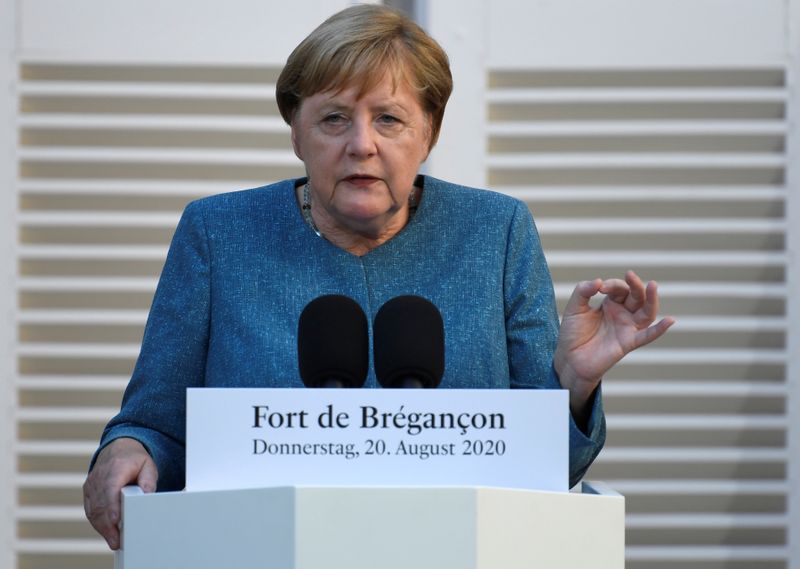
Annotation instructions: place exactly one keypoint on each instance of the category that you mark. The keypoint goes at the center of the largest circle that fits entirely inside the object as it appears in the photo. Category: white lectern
(368, 527)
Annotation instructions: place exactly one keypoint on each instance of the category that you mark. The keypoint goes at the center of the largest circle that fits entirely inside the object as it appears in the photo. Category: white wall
(206, 31)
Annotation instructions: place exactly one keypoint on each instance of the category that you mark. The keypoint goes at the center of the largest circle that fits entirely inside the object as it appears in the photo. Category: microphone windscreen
(408, 342)
(333, 342)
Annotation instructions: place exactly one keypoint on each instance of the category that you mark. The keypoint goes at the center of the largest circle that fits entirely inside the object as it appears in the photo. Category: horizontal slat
(139, 122)
(50, 480)
(98, 284)
(64, 350)
(667, 258)
(622, 225)
(755, 72)
(703, 290)
(738, 289)
(699, 487)
(731, 324)
(159, 156)
(97, 219)
(634, 160)
(244, 92)
(652, 388)
(682, 422)
(622, 128)
(62, 546)
(650, 193)
(65, 414)
(72, 383)
(685, 454)
(34, 186)
(709, 356)
(153, 252)
(135, 317)
(661, 95)
(56, 448)
(49, 513)
(706, 553)
(666, 521)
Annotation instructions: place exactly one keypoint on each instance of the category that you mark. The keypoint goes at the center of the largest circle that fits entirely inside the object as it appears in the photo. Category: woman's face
(362, 154)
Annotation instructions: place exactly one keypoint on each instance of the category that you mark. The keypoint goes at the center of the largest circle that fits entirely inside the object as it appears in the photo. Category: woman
(364, 95)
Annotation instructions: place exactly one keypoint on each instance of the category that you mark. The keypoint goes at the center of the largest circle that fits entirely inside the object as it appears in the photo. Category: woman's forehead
(365, 80)
(383, 91)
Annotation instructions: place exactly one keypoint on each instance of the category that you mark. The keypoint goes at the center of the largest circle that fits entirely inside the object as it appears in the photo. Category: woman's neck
(358, 240)
(362, 240)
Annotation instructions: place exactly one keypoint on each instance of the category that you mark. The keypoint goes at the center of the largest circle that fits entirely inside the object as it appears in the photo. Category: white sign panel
(247, 438)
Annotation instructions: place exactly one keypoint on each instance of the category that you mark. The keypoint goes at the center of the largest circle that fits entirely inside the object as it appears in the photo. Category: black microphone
(408, 342)
(333, 343)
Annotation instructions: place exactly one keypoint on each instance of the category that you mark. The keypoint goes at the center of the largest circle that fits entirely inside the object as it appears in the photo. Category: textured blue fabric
(243, 265)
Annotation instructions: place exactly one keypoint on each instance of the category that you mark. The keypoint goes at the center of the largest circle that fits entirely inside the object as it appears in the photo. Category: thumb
(583, 292)
(148, 476)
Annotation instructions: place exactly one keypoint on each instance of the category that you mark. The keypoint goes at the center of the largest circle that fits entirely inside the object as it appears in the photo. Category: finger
(638, 296)
(649, 310)
(117, 465)
(112, 537)
(148, 477)
(579, 300)
(652, 333)
(615, 290)
(87, 501)
(101, 514)
(108, 522)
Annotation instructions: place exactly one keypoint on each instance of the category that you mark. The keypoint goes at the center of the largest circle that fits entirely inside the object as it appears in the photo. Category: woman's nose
(362, 139)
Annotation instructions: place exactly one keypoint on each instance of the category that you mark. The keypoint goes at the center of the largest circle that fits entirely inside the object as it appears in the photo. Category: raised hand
(594, 338)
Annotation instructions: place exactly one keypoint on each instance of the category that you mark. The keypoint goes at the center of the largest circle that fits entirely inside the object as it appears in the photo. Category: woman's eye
(388, 119)
(334, 119)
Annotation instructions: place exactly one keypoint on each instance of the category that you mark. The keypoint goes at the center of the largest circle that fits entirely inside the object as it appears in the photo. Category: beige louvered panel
(109, 155)
(678, 174)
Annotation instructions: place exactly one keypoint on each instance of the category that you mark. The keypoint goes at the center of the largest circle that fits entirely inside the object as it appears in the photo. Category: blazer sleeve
(172, 356)
(532, 333)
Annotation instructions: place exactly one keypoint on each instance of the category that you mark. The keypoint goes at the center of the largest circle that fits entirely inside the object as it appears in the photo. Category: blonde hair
(357, 47)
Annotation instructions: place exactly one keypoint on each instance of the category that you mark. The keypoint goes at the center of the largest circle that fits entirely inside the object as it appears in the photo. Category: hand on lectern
(593, 338)
(122, 462)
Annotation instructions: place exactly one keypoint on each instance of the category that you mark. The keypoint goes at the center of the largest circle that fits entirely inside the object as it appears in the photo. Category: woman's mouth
(361, 179)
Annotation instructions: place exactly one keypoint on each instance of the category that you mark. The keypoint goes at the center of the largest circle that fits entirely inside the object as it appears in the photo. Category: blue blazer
(243, 265)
